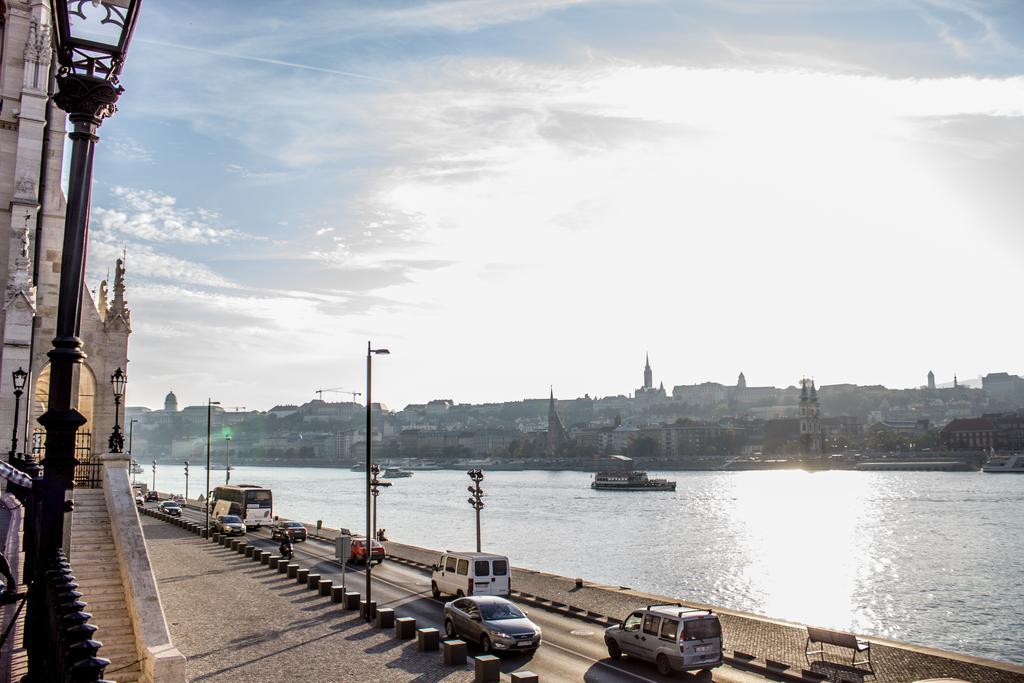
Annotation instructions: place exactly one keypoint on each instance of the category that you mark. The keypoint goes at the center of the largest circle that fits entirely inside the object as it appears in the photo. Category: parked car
(296, 529)
(171, 508)
(674, 637)
(496, 624)
(152, 495)
(231, 525)
(357, 555)
(470, 573)
(139, 501)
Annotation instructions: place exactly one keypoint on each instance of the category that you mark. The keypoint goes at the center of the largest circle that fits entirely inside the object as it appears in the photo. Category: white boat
(1013, 464)
(630, 481)
(395, 473)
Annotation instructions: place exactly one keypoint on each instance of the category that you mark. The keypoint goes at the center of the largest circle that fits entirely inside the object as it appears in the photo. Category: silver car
(229, 524)
(493, 622)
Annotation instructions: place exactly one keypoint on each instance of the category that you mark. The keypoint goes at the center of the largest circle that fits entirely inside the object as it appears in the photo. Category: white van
(470, 573)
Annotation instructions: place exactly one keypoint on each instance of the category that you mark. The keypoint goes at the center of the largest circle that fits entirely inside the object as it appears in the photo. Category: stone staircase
(95, 566)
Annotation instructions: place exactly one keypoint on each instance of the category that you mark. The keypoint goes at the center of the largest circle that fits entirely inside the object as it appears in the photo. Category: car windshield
(496, 611)
(232, 519)
(171, 506)
(292, 525)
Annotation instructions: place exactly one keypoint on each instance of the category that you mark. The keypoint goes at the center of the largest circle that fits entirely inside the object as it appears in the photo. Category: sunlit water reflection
(929, 558)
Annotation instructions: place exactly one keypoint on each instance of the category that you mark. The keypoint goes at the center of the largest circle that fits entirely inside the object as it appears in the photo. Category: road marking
(581, 632)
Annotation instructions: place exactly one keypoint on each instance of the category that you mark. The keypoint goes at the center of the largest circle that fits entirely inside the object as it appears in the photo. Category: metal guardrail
(72, 653)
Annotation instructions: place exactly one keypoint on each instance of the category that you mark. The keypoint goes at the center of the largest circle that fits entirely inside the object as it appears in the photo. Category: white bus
(254, 504)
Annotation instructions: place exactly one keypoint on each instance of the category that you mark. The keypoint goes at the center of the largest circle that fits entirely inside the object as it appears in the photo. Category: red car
(358, 552)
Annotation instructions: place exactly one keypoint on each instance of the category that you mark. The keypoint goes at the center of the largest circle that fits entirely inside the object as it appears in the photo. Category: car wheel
(614, 651)
(485, 645)
(434, 590)
(664, 668)
(460, 594)
(449, 628)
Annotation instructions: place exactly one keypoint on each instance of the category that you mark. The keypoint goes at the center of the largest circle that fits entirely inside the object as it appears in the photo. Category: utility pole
(476, 502)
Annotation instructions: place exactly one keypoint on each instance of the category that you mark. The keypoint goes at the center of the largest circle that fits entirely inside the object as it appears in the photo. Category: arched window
(86, 393)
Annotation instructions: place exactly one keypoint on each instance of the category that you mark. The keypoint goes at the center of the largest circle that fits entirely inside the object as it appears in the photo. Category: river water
(932, 558)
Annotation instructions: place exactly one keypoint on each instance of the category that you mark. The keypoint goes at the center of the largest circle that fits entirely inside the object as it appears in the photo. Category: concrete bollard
(352, 601)
(257, 555)
(300, 575)
(293, 570)
(205, 533)
(326, 587)
(272, 562)
(427, 639)
(486, 669)
(385, 617)
(337, 593)
(313, 582)
(454, 652)
(368, 610)
(242, 545)
(405, 628)
(524, 677)
(265, 558)
(230, 543)
(282, 566)
(249, 550)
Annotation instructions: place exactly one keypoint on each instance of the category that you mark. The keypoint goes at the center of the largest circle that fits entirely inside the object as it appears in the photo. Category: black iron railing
(88, 471)
(72, 653)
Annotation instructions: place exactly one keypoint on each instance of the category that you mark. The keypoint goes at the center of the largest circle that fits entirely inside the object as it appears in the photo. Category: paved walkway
(235, 621)
(765, 639)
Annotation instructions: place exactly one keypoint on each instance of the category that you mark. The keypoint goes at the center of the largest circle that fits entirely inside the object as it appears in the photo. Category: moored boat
(1013, 464)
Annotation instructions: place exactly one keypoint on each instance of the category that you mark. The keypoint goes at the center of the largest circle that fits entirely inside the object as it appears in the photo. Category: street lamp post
(210, 403)
(131, 430)
(186, 481)
(227, 457)
(91, 42)
(117, 382)
(154, 476)
(476, 502)
(19, 376)
(370, 352)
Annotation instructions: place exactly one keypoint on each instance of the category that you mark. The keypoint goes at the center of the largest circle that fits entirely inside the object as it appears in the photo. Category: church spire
(648, 375)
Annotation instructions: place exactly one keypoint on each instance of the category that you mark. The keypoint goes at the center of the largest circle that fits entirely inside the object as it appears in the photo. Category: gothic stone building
(32, 206)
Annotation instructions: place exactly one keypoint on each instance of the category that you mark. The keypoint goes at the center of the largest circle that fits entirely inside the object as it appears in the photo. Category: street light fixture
(131, 431)
(210, 403)
(476, 502)
(370, 353)
(117, 382)
(18, 376)
(154, 476)
(91, 42)
(375, 485)
(227, 456)
(186, 481)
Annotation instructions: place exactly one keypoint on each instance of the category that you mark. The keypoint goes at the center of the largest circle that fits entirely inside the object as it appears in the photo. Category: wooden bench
(823, 637)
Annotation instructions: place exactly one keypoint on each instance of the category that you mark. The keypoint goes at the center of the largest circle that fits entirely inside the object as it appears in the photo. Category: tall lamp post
(210, 403)
(186, 481)
(91, 42)
(375, 485)
(117, 382)
(227, 456)
(154, 476)
(131, 429)
(19, 376)
(370, 353)
(476, 502)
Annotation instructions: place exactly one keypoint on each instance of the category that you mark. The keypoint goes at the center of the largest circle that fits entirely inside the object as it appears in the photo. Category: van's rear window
(699, 629)
(481, 568)
(500, 567)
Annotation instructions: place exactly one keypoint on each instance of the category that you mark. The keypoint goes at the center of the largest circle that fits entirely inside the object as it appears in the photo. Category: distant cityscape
(693, 425)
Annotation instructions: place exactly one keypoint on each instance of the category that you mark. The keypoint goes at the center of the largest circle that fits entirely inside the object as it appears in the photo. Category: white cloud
(155, 217)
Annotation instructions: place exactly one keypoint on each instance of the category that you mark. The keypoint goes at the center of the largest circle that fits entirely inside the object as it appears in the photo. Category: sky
(517, 194)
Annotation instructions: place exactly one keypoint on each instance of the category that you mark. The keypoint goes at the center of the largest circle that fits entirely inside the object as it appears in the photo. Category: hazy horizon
(515, 194)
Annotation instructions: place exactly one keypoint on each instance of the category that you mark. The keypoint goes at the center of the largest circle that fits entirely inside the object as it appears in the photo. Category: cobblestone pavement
(763, 638)
(234, 621)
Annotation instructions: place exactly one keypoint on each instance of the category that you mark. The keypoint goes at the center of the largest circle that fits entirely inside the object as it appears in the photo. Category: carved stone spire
(102, 304)
(119, 307)
(37, 56)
